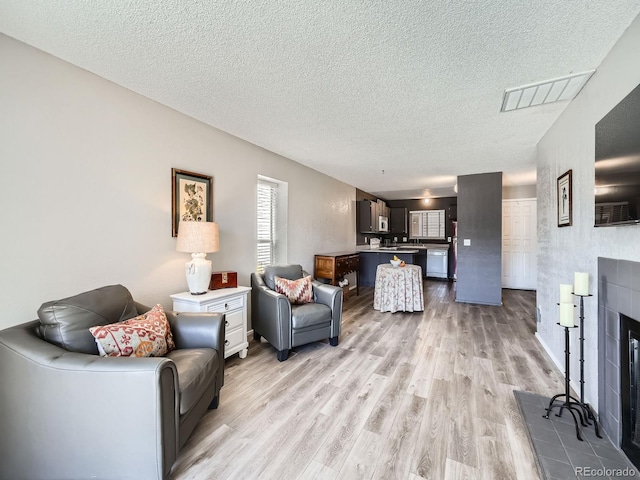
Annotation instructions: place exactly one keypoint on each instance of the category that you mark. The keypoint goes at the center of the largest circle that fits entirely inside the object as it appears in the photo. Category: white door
(519, 244)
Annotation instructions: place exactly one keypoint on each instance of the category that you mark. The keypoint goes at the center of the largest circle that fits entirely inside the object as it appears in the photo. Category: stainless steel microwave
(383, 224)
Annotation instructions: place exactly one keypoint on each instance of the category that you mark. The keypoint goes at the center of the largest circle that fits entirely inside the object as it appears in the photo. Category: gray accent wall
(480, 221)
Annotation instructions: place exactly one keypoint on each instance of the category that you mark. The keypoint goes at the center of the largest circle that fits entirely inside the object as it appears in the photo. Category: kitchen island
(432, 258)
(371, 258)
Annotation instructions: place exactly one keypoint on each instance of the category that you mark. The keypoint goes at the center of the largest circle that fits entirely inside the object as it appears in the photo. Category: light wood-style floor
(404, 396)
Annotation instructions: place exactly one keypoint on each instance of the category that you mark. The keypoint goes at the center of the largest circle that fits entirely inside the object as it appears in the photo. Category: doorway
(519, 244)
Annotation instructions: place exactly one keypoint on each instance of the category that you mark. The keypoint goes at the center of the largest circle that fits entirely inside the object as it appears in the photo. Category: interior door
(519, 244)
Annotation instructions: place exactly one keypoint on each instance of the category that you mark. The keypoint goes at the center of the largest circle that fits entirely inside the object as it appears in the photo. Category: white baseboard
(559, 366)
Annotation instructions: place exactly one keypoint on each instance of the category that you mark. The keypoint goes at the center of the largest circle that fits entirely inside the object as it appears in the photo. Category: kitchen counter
(386, 250)
(406, 248)
(426, 246)
(371, 258)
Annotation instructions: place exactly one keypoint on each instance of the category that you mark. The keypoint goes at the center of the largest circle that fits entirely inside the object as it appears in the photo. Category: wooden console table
(334, 266)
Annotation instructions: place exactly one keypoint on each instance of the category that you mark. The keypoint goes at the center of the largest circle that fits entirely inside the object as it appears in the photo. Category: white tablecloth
(398, 289)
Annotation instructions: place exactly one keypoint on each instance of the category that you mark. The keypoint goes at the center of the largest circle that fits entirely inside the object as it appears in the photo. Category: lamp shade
(201, 237)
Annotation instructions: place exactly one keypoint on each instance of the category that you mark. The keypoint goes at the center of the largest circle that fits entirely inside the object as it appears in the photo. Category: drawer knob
(226, 343)
(226, 306)
(226, 323)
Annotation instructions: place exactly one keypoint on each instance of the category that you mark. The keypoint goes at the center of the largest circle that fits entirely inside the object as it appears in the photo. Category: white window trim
(274, 234)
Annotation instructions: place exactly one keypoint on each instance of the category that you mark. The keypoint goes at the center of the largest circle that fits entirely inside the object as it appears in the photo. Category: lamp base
(198, 272)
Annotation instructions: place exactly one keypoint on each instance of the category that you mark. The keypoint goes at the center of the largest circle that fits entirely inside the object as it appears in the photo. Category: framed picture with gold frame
(191, 198)
(565, 202)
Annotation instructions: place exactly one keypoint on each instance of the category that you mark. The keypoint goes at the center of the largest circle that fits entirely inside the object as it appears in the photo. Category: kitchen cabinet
(368, 213)
(368, 263)
(382, 209)
(421, 259)
(398, 221)
(453, 212)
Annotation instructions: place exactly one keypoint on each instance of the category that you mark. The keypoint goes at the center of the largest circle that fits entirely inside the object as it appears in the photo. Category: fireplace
(629, 391)
(619, 353)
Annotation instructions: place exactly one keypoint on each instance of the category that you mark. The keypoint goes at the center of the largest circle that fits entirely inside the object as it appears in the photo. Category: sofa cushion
(196, 369)
(147, 335)
(290, 272)
(297, 291)
(66, 322)
(309, 315)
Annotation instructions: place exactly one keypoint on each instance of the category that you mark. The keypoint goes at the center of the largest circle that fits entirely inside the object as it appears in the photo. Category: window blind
(427, 224)
(266, 213)
(614, 212)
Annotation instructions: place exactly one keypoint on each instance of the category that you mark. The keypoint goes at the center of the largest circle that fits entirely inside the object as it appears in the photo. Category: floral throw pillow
(147, 335)
(297, 291)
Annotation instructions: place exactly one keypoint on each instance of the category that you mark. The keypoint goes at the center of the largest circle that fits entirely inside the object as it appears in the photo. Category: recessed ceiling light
(427, 200)
(547, 91)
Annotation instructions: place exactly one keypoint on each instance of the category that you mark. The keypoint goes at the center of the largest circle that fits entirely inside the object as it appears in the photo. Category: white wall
(570, 144)
(86, 189)
(519, 191)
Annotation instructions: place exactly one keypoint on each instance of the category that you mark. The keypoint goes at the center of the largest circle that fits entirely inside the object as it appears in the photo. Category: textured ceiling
(349, 88)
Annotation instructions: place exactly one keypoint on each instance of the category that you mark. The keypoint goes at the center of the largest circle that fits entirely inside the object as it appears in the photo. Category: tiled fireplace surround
(618, 293)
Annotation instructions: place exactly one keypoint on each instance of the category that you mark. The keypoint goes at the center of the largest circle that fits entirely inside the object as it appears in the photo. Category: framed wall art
(565, 207)
(191, 198)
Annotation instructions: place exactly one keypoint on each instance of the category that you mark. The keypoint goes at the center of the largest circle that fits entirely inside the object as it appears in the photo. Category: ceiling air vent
(548, 91)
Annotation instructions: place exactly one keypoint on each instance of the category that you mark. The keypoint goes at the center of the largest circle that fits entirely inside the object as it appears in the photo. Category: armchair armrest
(270, 314)
(326, 294)
(46, 390)
(198, 330)
(332, 297)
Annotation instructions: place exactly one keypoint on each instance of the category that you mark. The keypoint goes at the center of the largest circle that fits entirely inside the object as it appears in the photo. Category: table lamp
(199, 238)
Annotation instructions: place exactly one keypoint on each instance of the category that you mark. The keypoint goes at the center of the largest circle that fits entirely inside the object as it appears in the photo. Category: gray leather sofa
(286, 326)
(67, 413)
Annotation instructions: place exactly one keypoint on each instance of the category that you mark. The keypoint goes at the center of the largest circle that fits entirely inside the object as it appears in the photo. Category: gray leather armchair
(284, 325)
(68, 413)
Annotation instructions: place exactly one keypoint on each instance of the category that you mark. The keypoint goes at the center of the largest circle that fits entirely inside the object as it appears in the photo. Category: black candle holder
(587, 408)
(571, 403)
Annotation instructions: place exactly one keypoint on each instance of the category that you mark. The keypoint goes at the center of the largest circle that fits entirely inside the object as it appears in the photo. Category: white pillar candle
(566, 293)
(581, 283)
(566, 314)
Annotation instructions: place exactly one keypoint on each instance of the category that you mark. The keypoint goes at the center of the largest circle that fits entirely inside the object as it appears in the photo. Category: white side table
(230, 301)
